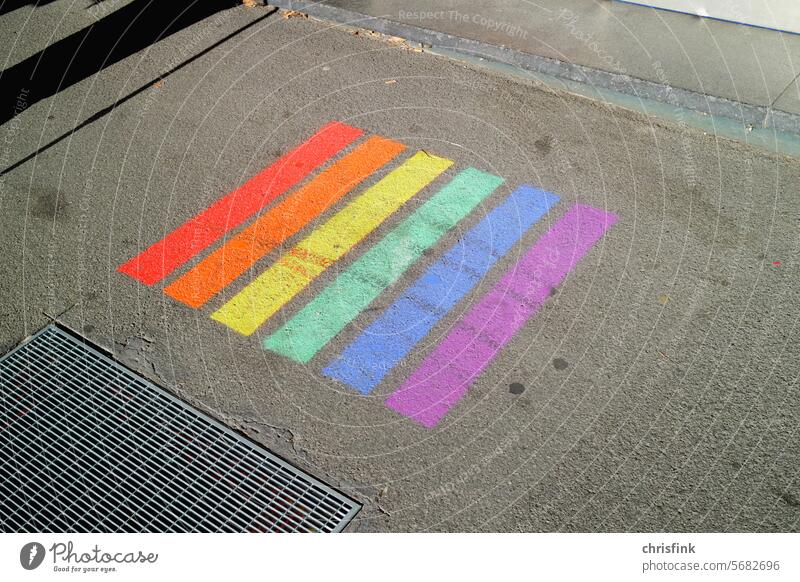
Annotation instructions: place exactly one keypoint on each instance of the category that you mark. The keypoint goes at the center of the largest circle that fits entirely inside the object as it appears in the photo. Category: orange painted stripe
(224, 265)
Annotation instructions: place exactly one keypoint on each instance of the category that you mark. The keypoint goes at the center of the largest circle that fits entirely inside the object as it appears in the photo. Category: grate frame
(59, 394)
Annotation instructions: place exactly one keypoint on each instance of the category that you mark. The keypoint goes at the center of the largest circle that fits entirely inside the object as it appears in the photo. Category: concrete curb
(749, 115)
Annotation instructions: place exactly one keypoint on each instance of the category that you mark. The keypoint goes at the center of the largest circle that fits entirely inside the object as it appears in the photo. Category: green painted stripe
(341, 301)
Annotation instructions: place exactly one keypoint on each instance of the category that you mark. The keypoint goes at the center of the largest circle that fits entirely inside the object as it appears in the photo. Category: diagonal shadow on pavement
(120, 34)
(11, 96)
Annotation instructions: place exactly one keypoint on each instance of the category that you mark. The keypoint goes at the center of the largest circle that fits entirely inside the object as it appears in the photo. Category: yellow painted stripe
(276, 286)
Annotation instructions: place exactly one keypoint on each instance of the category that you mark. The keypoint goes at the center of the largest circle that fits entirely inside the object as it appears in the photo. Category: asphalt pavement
(653, 389)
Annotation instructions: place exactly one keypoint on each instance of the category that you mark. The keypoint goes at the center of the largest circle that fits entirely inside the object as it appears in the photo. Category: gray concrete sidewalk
(677, 408)
(745, 73)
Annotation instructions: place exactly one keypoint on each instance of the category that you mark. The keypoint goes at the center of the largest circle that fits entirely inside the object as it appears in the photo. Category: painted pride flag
(326, 201)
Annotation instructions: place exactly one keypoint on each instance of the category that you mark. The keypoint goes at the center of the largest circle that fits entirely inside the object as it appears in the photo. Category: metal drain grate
(88, 446)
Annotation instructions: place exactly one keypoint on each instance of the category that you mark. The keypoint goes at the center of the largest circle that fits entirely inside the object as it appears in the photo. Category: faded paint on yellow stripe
(276, 286)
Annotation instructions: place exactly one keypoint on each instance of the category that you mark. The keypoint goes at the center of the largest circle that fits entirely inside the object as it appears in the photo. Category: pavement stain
(49, 204)
(787, 497)
(544, 144)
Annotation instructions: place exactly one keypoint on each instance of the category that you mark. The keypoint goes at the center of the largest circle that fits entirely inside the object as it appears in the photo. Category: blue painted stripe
(363, 364)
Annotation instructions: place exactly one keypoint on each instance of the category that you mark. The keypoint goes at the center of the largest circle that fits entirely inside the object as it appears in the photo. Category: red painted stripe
(198, 233)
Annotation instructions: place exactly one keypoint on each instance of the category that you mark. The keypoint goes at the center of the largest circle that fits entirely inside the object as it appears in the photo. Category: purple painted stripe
(448, 372)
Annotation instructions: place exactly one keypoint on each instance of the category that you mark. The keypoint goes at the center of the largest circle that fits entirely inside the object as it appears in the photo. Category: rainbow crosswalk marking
(378, 349)
(342, 301)
(198, 233)
(276, 286)
(448, 372)
(280, 222)
(286, 199)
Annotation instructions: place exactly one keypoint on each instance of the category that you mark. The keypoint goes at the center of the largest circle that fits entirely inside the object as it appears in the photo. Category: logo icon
(31, 555)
